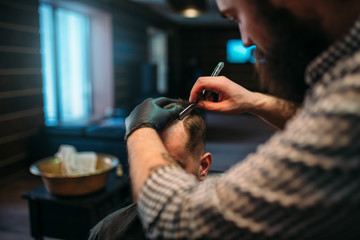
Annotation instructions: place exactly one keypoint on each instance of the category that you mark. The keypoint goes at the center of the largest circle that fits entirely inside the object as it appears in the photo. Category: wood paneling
(10, 150)
(14, 59)
(16, 82)
(24, 14)
(18, 38)
(20, 123)
(131, 48)
(10, 105)
(23, 3)
(21, 99)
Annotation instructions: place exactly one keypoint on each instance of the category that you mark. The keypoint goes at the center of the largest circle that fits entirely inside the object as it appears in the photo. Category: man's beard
(281, 69)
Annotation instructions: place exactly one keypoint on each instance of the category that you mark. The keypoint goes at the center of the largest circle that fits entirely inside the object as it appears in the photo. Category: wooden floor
(14, 217)
(229, 138)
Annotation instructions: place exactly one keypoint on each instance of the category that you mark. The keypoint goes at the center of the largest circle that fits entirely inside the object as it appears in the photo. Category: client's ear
(205, 164)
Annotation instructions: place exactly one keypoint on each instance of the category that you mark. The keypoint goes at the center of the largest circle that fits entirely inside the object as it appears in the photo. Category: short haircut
(194, 125)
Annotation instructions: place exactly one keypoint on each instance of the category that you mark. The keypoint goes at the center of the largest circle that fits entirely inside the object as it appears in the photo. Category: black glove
(151, 113)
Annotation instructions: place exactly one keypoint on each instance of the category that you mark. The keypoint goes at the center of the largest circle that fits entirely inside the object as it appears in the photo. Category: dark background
(21, 99)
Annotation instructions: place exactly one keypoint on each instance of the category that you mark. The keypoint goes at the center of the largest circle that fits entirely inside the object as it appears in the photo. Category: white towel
(87, 162)
(74, 163)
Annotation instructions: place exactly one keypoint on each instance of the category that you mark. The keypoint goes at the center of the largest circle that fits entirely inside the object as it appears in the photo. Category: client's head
(185, 141)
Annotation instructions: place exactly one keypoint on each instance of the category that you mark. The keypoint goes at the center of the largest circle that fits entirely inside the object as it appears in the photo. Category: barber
(304, 182)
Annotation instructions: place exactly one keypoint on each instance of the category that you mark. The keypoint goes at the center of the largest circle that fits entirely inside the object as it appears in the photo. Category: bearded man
(304, 182)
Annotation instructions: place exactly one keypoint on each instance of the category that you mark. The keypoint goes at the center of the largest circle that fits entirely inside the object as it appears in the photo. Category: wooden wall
(131, 50)
(21, 100)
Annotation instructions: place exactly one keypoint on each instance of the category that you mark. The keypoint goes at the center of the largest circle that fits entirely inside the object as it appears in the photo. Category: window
(158, 56)
(77, 62)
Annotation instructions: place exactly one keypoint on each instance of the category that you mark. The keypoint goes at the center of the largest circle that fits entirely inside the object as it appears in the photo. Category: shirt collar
(346, 46)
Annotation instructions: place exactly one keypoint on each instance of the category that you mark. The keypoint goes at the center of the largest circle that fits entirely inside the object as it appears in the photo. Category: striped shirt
(304, 183)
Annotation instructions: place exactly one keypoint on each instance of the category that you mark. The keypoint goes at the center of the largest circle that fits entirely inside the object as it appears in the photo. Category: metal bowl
(55, 182)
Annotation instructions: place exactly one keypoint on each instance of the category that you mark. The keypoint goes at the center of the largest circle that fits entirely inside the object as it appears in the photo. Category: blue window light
(236, 52)
(65, 64)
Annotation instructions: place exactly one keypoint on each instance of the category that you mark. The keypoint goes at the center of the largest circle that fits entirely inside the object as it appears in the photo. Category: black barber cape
(122, 224)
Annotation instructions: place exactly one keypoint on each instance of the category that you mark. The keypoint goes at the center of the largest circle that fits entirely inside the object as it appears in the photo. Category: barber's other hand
(151, 113)
(233, 98)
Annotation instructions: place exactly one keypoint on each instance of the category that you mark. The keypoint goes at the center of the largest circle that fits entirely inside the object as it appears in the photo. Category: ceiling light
(191, 12)
(188, 8)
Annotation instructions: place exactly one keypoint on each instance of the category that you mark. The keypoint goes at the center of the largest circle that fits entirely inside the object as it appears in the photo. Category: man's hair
(194, 125)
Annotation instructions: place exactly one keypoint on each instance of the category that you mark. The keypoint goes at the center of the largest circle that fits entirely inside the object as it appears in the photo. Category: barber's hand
(151, 113)
(233, 98)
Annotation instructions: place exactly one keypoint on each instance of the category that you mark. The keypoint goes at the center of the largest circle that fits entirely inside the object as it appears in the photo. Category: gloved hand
(151, 113)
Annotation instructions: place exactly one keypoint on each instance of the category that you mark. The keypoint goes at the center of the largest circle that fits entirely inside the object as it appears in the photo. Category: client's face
(175, 139)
